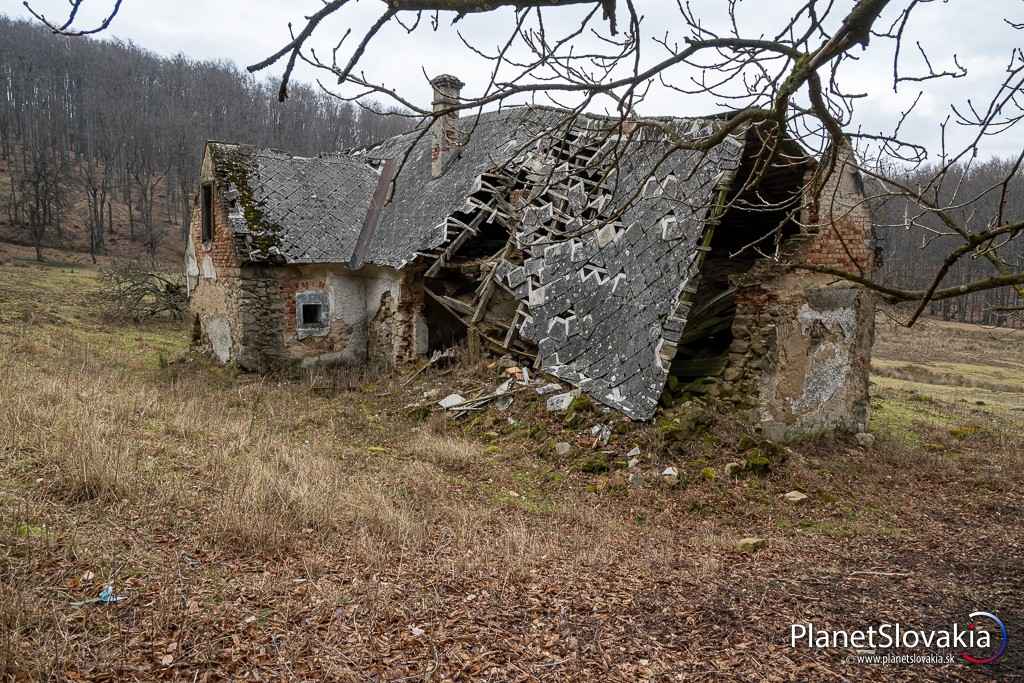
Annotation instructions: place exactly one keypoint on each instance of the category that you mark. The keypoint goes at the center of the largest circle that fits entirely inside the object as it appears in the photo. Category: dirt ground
(336, 526)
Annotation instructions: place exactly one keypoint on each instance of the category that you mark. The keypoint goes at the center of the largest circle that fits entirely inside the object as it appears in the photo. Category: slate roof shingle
(319, 203)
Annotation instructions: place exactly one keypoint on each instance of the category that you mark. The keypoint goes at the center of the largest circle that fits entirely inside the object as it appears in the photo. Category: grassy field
(331, 526)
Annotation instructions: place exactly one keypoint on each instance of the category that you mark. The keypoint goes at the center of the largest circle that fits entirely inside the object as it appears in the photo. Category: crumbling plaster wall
(213, 272)
(800, 356)
(374, 314)
(801, 351)
(247, 312)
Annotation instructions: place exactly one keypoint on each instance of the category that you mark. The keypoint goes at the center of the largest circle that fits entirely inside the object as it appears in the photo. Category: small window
(312, 315)
(207, 209)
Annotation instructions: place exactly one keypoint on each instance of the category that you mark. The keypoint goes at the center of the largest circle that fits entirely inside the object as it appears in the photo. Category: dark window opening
(312, 315)
(207, 209)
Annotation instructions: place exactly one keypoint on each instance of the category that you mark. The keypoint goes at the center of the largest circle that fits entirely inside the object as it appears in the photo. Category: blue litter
(106, 597)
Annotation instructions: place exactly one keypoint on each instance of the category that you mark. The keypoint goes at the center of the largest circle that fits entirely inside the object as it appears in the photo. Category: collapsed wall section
(333, 315)
(800, 357)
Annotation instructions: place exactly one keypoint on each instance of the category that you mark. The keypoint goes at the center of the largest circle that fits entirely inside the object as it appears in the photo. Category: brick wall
(216, 297)
(342, 340)
(373, 314)
(838, 221)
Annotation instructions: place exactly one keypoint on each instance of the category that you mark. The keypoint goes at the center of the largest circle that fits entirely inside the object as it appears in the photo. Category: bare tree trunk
(131, 216)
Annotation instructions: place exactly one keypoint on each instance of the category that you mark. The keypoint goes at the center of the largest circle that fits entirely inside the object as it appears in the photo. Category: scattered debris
(562, 448)
(795, 497)
(670, 475)
(451, 400)
(504, 400)
(865, 440)
(750, 544)
(561, 402)
(459, 406)
(437, 357)
(633, 458)
(106, 597)
(549, 389)
(601, 433)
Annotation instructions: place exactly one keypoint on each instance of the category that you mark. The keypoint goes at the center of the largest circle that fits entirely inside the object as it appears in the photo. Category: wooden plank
(455, 245)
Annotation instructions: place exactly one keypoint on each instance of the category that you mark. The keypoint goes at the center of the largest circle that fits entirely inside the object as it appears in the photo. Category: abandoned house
(580, 246)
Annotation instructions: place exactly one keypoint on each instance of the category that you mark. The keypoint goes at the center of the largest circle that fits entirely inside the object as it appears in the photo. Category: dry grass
(303, 527)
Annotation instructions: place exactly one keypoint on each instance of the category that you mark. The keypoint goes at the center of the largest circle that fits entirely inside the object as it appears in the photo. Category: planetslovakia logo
(1004, 639)
(972, 644)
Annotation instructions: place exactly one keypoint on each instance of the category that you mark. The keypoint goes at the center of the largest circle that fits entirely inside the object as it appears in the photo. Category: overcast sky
(246, 31)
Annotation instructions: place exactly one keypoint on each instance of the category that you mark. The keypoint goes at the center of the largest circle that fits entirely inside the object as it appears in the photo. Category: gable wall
(214, 268)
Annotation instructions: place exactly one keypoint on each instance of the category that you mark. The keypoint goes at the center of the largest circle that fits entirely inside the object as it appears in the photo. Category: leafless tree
(66, 28)
(118, 131)
(787, 80)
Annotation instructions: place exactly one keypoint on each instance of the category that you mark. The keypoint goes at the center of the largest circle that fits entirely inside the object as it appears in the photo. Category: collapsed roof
(579, 242)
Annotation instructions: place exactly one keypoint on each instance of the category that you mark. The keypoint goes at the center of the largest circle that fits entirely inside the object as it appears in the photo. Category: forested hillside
(914, 244)
(100, 141)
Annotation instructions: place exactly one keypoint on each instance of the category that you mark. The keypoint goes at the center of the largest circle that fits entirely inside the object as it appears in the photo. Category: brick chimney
(444, 129)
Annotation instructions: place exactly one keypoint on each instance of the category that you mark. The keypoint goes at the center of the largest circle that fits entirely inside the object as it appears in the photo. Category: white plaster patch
(191, 267)
(207, 269)
(346, 295)
(843, 318)
(828, 363)
(355, 299)
(218, 330)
